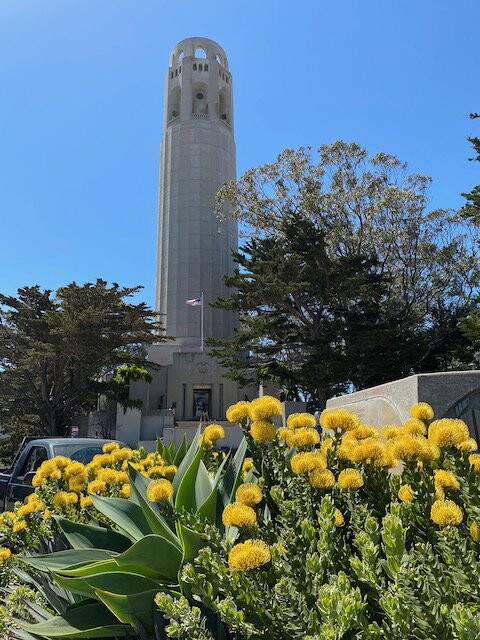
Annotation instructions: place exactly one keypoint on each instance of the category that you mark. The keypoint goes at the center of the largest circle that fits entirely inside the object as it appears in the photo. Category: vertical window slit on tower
(206, 67)
(194, 66)
(176, 72)
(200, 68)
(171, 75)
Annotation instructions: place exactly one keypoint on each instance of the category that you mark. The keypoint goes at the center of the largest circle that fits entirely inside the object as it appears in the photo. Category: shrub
(366, 535)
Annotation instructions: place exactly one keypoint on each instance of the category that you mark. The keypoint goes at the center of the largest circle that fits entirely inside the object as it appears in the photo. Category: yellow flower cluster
(249, 555)
(339, 420)
(249, 494)
(446, 513)
(321, 479)
(299, 437)
(160, 490)
(448, 432)
(301, 421)
(4, 554)
(445, 480)
(264, 408)
(307, 461)
(238, 514)
(212, 433)
(262, 430)
(349, 479)
(238, 412)
(422, 411)
(406, 493)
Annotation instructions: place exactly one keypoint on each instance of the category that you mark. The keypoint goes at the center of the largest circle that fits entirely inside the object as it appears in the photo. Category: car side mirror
(28, 478)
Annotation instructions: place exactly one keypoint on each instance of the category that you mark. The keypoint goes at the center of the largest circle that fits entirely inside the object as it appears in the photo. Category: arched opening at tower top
(181, 56)
(200, 53)
(174, 98)
(200, 98)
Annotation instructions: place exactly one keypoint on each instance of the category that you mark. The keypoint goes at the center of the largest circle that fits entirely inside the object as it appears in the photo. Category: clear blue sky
(81, 99)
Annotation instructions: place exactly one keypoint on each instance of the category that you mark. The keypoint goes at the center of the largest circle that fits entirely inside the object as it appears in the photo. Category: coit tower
(197, 158)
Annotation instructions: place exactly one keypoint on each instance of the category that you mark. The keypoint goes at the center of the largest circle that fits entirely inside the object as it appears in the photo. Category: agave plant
(105, 584)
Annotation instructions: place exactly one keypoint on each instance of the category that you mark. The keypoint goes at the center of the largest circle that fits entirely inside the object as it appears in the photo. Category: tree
(59, 351)
(471, 209)
(344, 279)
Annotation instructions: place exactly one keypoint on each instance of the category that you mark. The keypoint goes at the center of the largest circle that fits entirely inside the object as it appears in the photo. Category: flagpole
(201, 322)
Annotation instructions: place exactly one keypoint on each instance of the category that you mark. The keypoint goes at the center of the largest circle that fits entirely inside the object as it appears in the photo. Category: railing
(201, 116)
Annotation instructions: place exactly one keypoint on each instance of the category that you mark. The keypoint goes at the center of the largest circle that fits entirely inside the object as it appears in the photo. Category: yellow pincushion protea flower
(422, 411)
(339, 420)
(406, 493)
(19, 526)
(262, 431)
(26, 510)
(446, 480)
(97, 487)
(321, 479)
(86, 502)
(301, 420)
(108, 447)
(369, 451)
(448, 432)
(413, 448)
(467, 446)
(350, 479)
(61, 462)
(5, 554)
(264, 408)
(170, 470)
(122, 454)
(125, 491)
(307, 461)
(301, 437)
(247, 465)
(238, 514)
(475, 532)
(47, 514)
(250, 554)
(364, 431)
(414, 427)
(446, 513)
(160, 490)
(474, 461)
(238, 412)
(339, 519)
(391, 431)
(214, 432)
(249, 493)
(64, 498)
(76, 483)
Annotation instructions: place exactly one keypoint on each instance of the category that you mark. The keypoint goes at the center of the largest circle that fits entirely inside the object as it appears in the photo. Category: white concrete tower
(197, 158)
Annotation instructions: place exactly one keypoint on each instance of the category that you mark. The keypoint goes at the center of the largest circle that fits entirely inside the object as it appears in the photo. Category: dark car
(16, 482)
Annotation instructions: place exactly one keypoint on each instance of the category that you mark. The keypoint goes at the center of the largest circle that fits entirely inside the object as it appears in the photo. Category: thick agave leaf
(231, 479)
(119, 582)
(66, 559)
(152, 557)
(130, 607)
(182, 450)
(127, 515)
(185, 498)
(84, 620)
(187, 460)
(86, 536)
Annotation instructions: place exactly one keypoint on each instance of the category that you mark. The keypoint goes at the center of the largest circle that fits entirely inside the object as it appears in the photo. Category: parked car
(16, 481)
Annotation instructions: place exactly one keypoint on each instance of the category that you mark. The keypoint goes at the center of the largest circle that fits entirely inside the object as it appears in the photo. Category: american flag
(194, 302)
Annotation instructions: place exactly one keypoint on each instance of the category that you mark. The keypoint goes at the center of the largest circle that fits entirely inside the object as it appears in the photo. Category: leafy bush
(365, 535)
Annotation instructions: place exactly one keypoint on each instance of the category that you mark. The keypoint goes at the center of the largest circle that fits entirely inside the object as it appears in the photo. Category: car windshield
(79, 452)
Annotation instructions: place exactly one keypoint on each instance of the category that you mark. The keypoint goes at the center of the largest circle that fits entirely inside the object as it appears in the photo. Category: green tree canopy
(471, 209)
(344, 278)
(59, 351)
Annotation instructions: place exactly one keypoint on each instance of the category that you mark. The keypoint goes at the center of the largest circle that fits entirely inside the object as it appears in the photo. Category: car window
(80, 453)
(34, 459)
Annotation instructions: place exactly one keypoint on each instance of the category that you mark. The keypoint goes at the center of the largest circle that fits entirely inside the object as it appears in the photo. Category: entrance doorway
(202, 404)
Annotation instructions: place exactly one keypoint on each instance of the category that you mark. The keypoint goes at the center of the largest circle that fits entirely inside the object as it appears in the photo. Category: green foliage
(471, 209)
(344, 278)
(60, 351)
